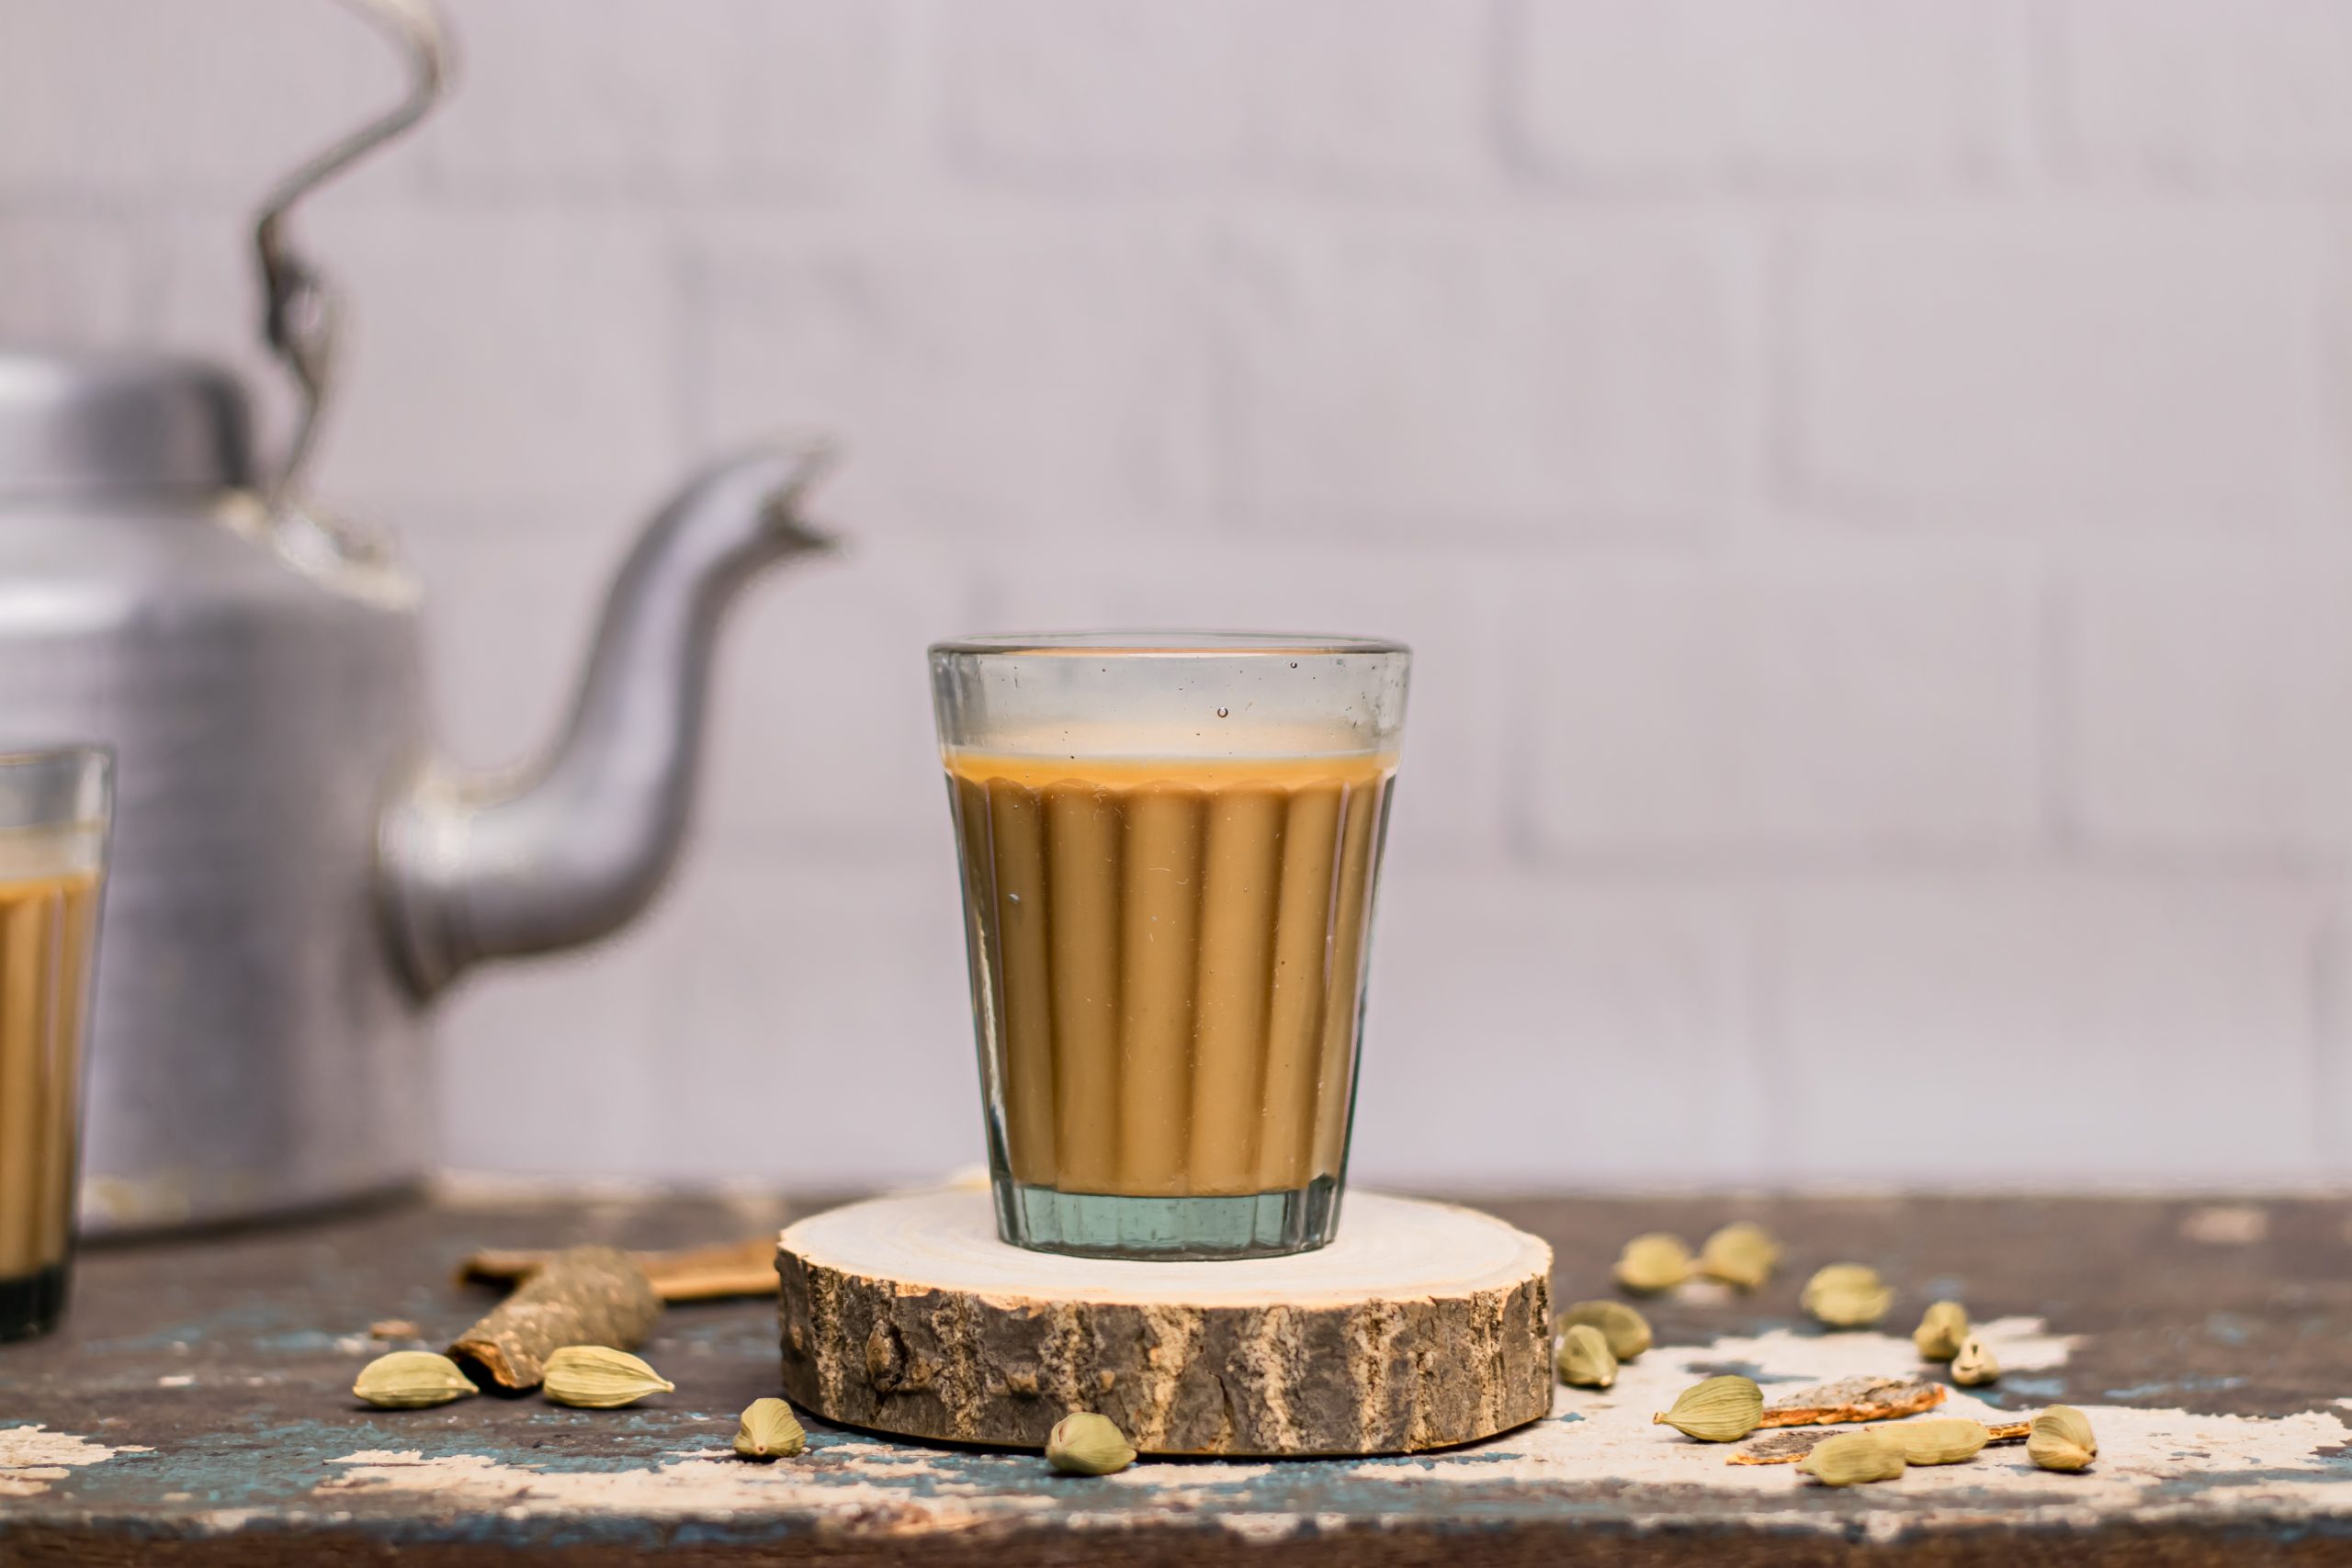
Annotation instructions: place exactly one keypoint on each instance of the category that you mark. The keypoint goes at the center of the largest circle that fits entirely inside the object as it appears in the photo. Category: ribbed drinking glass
(55, 807)
(1170, 846)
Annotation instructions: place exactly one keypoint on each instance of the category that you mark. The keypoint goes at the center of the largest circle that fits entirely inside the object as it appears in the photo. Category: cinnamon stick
(691, 1274)
(585, 1295)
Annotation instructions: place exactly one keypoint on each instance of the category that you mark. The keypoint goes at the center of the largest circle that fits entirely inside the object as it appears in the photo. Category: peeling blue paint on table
(196, 1409)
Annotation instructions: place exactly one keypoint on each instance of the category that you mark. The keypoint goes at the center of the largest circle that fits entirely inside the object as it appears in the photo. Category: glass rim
(82, 751)
(1164, 645)
(57, 788)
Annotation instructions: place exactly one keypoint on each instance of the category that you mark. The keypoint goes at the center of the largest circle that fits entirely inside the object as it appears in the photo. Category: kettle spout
(573, 846)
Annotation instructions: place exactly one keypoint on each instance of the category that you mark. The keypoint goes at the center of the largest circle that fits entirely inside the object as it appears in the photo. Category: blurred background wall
(1869, 484)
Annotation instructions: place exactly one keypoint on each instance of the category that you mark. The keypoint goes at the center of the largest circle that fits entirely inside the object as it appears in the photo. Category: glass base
(1167, 1230)
(32, 1305)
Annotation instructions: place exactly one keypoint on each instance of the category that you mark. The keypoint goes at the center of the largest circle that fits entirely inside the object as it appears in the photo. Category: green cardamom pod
(1721, 1410)
(596, 1377)
(410, 1379)
(769, 1430)
(1847, 1295)
(1942, 1331)
(1584, 1360)
(1653, 1263)
(1851, 1306)
(1838, 1280)
(2060, 1439)
(1083, 1444)
(1851, 1460)
(1973, 1365)
(1741, 1254)
(1842, 1277)
(1627, 1331)
(1948, 1439)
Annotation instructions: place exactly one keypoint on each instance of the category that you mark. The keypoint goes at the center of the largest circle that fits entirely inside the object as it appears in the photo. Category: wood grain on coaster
(1422, 1326)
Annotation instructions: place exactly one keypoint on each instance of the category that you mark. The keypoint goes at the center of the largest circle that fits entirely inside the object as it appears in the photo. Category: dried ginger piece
(1854, 1399)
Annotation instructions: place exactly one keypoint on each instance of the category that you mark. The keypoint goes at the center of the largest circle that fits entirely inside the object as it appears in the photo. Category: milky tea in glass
(54, 808)
(1169, 844)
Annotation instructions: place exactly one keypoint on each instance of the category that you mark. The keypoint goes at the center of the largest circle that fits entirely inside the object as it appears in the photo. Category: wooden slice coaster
(1423, 1324)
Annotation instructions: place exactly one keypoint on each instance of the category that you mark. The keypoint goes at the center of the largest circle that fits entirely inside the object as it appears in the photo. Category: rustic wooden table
(195, 1410)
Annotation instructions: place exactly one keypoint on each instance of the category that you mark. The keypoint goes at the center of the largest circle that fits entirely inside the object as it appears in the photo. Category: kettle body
(294, 875)
(254, 1051)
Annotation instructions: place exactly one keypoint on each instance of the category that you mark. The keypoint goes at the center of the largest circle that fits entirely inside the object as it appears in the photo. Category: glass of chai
(1170, 842)
(55, 807)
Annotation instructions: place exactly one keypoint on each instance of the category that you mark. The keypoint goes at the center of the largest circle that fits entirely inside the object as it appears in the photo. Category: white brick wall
(2210, 91)
(1744, 707)
(628, 100)
(1529, 374)
(1796, 93)
(1332, 94)
(2104, 1028)
(1868, 483)
(1596, 1035)
(67, 279)
(2049, 363)
(1027, 376)
(2213, 704)
(148, 102)
(547, 337)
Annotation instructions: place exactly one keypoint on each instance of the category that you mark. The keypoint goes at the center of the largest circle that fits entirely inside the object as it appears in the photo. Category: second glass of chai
(1170, 843)
(54, 811)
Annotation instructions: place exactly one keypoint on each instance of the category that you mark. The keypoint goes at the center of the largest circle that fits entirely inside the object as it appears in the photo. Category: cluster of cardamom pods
(587, 1377)
(2060, 1439)
(593, 1377)
(596, 1377)
(1595, 1337)
(1725, 1409)
(1944, 1335)
(1741, 1254)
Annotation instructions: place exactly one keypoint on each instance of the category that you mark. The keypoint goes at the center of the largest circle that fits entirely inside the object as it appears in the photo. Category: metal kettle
(295, 875)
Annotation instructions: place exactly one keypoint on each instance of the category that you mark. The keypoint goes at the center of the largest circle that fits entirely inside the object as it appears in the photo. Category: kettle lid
(78, 423)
